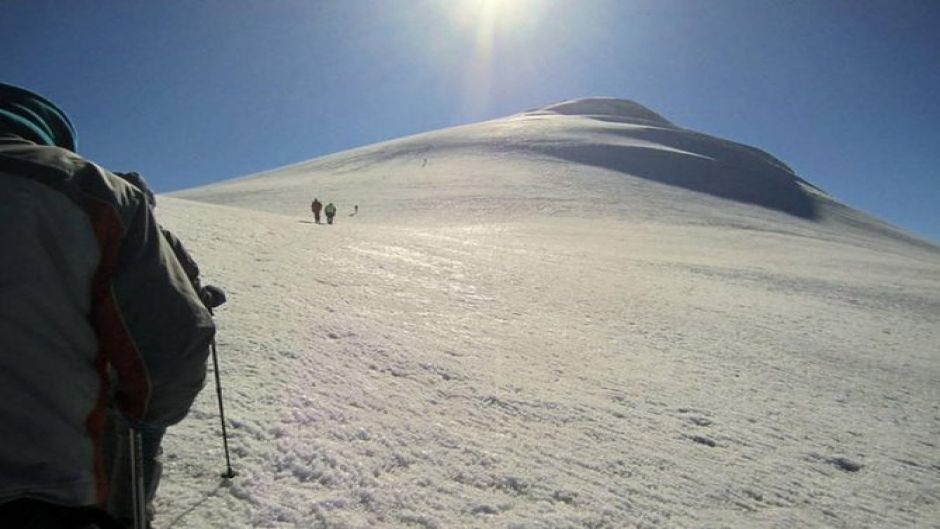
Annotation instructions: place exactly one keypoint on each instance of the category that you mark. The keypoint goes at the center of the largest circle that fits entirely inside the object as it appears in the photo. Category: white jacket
(87, 285)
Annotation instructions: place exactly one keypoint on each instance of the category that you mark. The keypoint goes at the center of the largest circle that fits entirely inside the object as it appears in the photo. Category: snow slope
(578, 316)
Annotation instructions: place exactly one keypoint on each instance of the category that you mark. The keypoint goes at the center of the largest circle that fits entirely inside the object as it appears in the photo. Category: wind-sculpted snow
(606, 108)
(681, 158)
(546, 373)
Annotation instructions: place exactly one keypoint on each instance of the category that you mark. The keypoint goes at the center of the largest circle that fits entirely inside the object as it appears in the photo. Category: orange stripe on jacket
(115, 345)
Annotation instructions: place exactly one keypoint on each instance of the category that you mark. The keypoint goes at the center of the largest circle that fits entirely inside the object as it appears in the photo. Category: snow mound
(608, 107)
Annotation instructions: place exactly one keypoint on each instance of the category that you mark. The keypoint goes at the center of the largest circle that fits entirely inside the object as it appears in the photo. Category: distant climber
(315, 207)
(330, 212)
(355, 210)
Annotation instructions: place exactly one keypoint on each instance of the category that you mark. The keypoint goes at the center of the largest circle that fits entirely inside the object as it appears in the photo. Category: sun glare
(499, 28)
(496, 13)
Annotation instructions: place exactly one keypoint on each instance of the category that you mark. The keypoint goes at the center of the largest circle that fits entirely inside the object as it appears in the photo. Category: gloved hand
(212, 296)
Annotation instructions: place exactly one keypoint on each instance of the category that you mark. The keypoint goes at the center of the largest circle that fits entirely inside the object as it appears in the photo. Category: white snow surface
(581, 316)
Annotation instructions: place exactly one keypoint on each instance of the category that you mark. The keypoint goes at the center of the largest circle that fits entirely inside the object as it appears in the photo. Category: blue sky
(845, 92)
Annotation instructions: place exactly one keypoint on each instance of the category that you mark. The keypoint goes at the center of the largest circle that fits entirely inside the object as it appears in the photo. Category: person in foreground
(96, 314)
(117, 432)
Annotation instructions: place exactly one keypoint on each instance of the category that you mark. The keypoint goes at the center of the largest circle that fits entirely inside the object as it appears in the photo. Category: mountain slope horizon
(609, 154)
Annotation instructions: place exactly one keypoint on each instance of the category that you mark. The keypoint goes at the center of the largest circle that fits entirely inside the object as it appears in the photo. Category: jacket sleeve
(185, 259)
(161, 359)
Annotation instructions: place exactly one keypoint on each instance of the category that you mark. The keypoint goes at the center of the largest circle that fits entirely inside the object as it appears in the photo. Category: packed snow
(581, 316)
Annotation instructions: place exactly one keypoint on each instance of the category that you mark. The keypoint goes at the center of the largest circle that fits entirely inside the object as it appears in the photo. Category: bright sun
(498, 13)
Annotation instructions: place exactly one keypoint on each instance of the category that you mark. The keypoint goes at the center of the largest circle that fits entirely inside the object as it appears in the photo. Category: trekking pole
(229, 473)
(138, 493)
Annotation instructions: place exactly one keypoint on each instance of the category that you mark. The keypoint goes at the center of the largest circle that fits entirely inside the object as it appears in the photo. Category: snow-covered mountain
(596, 157)
(577, 316)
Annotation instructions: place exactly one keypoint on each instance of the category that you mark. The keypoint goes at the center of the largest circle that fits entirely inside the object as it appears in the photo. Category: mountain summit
(606, 107)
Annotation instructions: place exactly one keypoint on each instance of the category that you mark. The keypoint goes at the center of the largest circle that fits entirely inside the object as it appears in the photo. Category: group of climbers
(330, 211)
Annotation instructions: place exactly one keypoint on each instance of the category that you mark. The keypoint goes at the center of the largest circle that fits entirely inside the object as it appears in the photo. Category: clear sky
(189, 92)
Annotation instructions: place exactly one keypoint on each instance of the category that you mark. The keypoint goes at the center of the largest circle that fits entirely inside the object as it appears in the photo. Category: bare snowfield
(576, 317)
